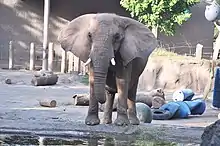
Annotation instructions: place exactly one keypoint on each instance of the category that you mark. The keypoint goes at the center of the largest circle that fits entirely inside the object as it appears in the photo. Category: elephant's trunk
(100, 60)
(99, 85)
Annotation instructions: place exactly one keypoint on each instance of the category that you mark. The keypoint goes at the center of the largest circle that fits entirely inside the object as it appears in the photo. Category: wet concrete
(20, 113)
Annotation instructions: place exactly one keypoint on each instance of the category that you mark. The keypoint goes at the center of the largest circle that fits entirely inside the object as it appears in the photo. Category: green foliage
(166, 15)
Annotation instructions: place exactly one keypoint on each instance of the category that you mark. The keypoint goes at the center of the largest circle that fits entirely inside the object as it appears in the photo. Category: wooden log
(81, 100)
(48, 103)
(157, 102)
(8, 81)
(146, 98)
(44, 80)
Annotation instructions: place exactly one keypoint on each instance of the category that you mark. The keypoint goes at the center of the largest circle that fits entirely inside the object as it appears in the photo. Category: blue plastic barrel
(216, 92)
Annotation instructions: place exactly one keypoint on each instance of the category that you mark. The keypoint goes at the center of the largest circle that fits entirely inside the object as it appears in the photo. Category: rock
(211, 135)
(175, 73)
(144, 113)
(8, 81)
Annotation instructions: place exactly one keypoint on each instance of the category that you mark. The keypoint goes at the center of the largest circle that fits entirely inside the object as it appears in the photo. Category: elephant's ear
(139, 41)
(73, 37)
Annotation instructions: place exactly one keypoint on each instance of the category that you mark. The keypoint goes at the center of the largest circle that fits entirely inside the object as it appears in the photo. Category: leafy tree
(164, 15)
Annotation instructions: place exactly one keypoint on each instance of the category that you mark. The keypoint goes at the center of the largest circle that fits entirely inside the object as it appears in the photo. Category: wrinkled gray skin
(101, 37)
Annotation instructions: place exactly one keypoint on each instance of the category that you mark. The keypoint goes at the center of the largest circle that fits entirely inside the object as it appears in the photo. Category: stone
(211, 135)
(144, 112)
(175, 73)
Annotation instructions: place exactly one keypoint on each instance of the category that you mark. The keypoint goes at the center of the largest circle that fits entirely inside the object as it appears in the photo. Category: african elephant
(116, 48)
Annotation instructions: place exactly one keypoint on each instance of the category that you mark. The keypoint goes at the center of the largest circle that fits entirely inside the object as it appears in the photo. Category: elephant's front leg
(92, 115)
(110, 96)
(122, 81)
(108, 107)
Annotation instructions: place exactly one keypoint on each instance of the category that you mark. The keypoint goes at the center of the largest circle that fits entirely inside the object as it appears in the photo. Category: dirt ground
(20, 111)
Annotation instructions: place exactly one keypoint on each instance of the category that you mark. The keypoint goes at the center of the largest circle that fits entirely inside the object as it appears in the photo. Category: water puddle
(6, 140)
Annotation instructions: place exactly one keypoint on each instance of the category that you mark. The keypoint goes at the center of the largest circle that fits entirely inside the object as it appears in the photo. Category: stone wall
(175, 73)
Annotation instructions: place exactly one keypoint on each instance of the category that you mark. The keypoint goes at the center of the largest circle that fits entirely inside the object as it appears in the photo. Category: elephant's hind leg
(92, 115)
(108, 107)
(132, 115)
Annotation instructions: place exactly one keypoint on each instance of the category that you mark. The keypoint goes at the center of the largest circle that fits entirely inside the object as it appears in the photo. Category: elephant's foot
(122, 120)
(133, 119)
(132, 116)
(92, 119)
(107, 120)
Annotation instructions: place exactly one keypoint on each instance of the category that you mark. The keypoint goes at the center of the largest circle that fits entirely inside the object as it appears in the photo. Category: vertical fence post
(50, 56)
(11, 56)
(83, 68)
(45, 33)
(71, 58)
(63, 62)
(32, 56)
(199, 51)
(217, 45)
(76, 64)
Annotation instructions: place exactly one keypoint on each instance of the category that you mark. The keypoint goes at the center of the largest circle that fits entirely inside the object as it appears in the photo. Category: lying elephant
(116, 49)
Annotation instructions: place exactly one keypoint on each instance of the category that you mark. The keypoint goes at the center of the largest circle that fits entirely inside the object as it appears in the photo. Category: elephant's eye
(117, 37)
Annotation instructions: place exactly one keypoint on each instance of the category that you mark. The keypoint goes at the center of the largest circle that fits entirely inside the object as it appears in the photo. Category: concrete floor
(20, 112)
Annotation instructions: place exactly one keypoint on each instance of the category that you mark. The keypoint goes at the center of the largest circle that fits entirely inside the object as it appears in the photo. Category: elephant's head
(95, 38)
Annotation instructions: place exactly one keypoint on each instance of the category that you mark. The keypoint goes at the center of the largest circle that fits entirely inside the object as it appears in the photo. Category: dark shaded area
(20, 27)
(11, 29)
(76, 141)
(70, 9)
